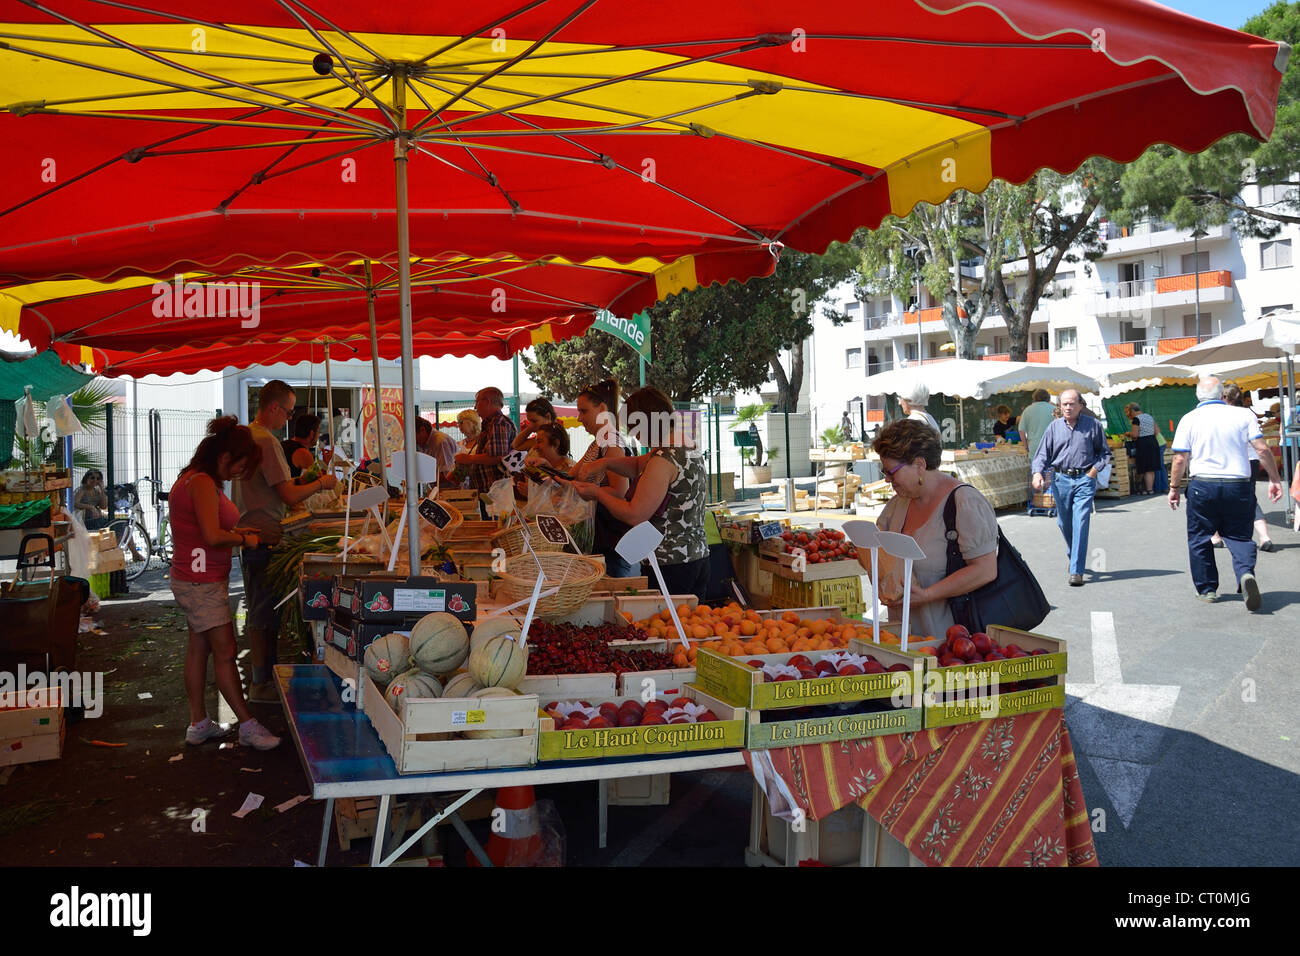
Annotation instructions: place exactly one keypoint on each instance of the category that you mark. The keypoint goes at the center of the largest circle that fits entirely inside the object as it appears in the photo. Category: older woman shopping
(909, 457)
(913, 405)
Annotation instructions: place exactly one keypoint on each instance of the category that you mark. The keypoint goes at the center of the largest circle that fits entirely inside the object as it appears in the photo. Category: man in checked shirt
(494, 440)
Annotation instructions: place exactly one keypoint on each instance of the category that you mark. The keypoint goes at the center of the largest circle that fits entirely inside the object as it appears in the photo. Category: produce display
(492, 734)
(960, 647)
(386, 657)
(737, 632)
(569, 649)
(581, 715)
(499, 662)
(841, 664)
(413, 683)
(820, 544)
(439, 643)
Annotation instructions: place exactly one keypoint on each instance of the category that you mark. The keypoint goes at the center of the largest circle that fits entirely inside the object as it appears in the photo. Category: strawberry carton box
(377, 598)
(817, 696)
(1002, 673)
(615, 727)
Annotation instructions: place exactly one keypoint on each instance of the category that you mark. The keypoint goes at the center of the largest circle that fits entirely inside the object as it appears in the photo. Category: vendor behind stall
(670, 490)
(437, 445)
(299, 450)
(493, 443)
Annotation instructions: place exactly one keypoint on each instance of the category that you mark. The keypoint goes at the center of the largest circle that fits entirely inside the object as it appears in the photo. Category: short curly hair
(906, 440)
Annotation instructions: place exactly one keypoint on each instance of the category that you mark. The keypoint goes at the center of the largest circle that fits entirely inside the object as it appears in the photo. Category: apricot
(748, 627)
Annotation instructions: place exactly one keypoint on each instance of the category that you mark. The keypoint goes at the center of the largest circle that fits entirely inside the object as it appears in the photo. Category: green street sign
(634, 331)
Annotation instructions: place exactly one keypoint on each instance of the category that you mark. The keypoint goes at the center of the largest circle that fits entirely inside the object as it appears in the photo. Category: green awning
(45, 373)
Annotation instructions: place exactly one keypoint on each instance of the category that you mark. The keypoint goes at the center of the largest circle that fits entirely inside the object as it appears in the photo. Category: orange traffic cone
(516, 830)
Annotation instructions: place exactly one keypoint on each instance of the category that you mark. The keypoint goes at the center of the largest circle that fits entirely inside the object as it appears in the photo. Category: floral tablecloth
(1001, 792)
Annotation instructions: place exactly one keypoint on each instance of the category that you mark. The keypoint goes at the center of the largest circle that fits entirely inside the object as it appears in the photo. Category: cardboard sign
(514, 461)
(770, 530)
(434, 513)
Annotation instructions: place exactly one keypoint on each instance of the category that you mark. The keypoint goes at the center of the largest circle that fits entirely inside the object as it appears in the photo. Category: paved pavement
(1184, 715)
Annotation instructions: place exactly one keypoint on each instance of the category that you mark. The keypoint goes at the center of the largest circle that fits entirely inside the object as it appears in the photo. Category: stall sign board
(793, 733)
(434, 513)
(743, 440)
(552, 530)
(769, 530)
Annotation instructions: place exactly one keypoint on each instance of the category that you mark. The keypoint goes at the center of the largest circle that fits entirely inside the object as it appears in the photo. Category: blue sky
(1229, 13)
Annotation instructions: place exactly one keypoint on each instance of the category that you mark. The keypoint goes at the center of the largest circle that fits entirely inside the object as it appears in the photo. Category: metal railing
(1150, 348)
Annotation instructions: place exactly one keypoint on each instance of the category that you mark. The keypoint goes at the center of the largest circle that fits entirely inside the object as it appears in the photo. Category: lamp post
(1197, 235)
(918, 260)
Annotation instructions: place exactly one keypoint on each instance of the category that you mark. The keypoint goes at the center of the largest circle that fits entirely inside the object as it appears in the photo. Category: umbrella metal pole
(400, 159)
(1286, 422)
(374, 368)
(329, 394)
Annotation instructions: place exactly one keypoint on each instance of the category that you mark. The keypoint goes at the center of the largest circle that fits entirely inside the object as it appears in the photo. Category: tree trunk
(963, 332)
(788, 387)
(1018, 334)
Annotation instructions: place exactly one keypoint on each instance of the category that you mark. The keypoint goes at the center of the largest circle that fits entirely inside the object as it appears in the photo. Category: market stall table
(1000, 792)
(343, 757)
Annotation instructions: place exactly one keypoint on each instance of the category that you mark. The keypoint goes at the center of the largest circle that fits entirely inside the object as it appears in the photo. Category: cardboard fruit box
(986, 690)
(382, 597)
(725, 733)
(782, 565)
(817, 710)
(425, 738)
(32, 727)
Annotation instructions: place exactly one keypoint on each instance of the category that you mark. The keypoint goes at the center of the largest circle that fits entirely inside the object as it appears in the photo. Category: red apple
(599, 721)
(956, 631)
(799, 661)
(652, 719)
(628, 720)
(706, 717)
(964, 648)
(757, 665)
(899, 667)
(807, 673)
(576, 722)
(824, 667)
(610, 712)
(1009, 648)
(995, 656)
(1014, 651)
(949, 661)
(655, 707)
(873, 667)
(1036, 651)
(559, 723)
(981, 642)
(783, 677)
(848, 669)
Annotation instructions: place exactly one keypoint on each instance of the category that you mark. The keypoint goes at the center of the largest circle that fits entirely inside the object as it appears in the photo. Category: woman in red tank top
(204, 531)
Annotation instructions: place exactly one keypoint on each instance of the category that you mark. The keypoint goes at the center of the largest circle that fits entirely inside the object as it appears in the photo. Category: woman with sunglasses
(909, 457)
(91, 501)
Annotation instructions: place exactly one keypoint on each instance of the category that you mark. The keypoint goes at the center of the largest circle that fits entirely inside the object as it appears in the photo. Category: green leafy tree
(1211, 188)
(959, 249)
(720, 338)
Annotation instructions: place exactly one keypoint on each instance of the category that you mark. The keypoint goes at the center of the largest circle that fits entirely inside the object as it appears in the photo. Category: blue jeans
(616, 567)
(1073, 512)
(1228, 508)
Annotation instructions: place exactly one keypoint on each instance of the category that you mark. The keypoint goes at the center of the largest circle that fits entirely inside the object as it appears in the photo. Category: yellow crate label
(462, 718)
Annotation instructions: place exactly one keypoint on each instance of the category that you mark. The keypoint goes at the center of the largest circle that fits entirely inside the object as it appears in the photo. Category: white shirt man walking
(1074, 447)
(1214, 441)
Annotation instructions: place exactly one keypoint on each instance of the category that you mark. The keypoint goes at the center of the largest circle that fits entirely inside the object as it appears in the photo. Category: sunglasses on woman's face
(889, 475)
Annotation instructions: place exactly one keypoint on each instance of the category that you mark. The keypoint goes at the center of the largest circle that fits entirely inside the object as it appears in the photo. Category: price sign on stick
(639, 545)
(905, 547)
(864, 535)
(434, 513)
(514, 461)
(426, 466)
(553, 530)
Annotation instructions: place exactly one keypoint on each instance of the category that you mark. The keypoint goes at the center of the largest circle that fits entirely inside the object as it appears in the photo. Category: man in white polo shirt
(1214, 439)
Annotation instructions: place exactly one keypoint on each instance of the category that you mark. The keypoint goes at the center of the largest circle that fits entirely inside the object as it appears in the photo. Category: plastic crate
(831, 592)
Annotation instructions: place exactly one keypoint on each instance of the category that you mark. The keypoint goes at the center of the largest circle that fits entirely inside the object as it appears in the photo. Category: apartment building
(1155, 291)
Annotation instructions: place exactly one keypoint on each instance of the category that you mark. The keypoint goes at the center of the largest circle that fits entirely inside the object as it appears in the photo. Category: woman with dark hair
(1006, 422)
(91, 500)
(204, 530)
(909, 458)
(597, 410)
(537, 413)
(298, 449)
(669, 490)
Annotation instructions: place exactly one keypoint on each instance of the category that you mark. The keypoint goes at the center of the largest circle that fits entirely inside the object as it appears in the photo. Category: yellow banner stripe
(931, 176)
(542, 335)
(676, 277)
(10, 310)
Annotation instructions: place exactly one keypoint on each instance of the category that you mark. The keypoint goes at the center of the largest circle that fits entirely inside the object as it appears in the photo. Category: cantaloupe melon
(500, 662)
(492, 734)
(387, 656)
(462, 685)
(412, 684)
(484, 631)
(439, 643)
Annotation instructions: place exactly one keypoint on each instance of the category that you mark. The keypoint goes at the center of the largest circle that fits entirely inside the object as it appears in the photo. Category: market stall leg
(325, 831)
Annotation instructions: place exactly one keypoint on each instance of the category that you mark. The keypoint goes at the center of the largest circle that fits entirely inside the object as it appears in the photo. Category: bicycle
(132, 535)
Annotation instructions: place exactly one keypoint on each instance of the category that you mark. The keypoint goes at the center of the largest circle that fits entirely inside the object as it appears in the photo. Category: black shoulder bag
(1012, 599)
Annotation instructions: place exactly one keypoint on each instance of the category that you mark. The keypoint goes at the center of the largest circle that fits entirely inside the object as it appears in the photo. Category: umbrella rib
(223, 27)
(363, 90)
(379, 58)
(171, 64)
(517, 58)
(486, 177)
(72, 41)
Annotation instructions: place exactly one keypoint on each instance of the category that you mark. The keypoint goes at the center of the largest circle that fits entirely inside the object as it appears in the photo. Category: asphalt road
(1184, 715)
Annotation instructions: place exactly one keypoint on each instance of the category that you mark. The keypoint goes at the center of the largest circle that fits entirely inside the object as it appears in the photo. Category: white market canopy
(1132, 376)
(969, 378)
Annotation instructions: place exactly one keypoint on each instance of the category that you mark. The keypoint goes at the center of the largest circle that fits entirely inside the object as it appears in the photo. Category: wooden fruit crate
(725, 733)
(968, 688)
(414, 742)
(782, 565)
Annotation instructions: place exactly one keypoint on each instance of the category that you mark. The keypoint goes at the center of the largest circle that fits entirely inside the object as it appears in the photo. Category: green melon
(500, 662)
(492, 734)
(484, 631)
(439, 643)
(412, 684)
(387, 656)
(462, 685)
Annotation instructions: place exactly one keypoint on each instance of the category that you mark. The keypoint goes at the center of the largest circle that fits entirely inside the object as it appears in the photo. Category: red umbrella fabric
(574, 128)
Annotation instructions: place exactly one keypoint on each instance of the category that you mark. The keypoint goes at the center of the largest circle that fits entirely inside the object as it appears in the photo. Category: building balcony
(875, 368)
(1151, 235)
(1161, 292)
(1042, 357)
(1150, 348)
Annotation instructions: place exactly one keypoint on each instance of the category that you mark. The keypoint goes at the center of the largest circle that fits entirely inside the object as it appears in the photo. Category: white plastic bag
(65, 419)
(78, 548)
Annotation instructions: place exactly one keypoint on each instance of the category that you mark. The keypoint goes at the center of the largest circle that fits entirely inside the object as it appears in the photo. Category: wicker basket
(512, 540)
(575, 574)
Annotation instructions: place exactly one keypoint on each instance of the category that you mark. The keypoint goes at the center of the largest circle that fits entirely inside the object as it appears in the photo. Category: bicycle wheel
(165, 541)
(134, 541)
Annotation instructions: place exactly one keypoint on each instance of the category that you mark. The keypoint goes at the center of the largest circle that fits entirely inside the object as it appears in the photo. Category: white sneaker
(253, 734)
(206, 729)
